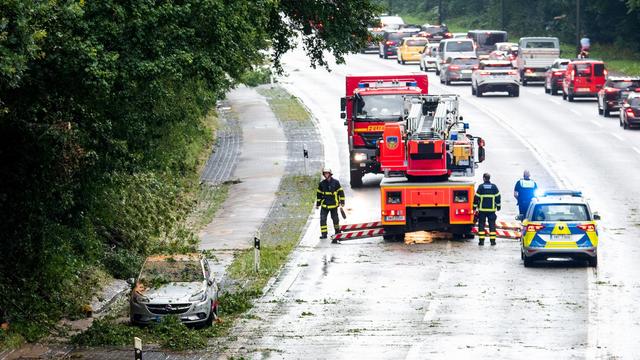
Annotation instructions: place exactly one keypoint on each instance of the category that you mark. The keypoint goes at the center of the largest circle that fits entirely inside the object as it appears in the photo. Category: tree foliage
(604, 21)
(101, 108)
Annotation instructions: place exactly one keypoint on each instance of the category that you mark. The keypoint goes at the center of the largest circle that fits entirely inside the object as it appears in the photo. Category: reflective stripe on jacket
(330, 194)
(487, 198)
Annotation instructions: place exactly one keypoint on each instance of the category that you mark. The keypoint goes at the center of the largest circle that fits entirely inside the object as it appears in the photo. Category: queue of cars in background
(462, 57)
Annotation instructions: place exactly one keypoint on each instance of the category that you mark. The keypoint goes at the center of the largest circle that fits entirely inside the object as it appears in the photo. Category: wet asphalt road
(451, 299)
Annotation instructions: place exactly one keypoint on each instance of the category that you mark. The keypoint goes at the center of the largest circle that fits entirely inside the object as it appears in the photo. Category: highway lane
(374, 299)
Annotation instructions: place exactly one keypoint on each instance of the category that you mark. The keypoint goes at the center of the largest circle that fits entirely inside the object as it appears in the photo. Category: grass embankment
(279, 236)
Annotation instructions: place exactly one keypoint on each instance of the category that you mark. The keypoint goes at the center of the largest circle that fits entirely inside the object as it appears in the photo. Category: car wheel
(593, 262)
(553, 90)
(380, 55)
(625, 125)
(437, 72)
(521, 254)
(422, 67)
(564, 96)
(403, 62)
(527, 262)
(398, 59)
(356, 179)
(599, 109)
(620, 120)
(606, 112)
(524, 82)
(478, 92)
(447, 82)
(385, 56)
(546, 89)
(473, 90)
(570, 97)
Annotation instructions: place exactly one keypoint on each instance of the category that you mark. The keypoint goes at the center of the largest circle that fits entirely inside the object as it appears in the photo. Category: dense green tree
(101, 107)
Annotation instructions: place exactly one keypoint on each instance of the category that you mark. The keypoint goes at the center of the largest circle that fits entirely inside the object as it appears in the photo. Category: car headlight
(360, 157)
(199, 296)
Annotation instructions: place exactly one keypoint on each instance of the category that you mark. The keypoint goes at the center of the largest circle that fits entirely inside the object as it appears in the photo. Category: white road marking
(636, 149)
(596, 123)
(556, 101)
(575, 112)
(617, 136)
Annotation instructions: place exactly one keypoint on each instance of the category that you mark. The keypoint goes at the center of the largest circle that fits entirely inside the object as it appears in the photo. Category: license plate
(363, 165)
(582, 90)
(560, 237)
(158, 319)
(466, 71)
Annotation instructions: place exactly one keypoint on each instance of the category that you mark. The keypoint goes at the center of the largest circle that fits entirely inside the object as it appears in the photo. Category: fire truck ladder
(504, 229)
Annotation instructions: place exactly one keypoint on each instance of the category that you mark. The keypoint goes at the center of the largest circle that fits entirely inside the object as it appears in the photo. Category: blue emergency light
(465, 126)
(362, 86)
(560, 192)
(412, 83)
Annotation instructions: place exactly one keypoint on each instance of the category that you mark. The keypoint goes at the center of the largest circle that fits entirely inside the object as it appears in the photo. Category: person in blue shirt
(524, 191)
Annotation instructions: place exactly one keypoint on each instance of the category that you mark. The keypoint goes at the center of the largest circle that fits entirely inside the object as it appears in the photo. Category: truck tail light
(534, 227)
(587, 227)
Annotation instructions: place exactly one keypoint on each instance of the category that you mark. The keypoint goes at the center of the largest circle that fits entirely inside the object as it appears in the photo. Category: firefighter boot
(481, 238)
(492, 237)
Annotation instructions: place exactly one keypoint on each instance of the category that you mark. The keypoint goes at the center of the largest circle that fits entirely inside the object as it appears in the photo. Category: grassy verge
(284, 105)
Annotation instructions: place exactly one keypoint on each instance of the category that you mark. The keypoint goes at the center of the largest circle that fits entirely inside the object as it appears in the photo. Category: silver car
(178, 285)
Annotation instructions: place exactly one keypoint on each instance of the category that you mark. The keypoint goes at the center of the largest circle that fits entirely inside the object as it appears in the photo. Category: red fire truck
(418, 156)
(372, 101)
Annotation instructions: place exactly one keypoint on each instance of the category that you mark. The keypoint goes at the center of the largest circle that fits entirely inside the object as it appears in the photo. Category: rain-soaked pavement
(451, 299)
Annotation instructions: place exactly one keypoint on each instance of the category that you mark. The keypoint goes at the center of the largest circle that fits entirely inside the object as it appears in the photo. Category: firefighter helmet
(327, 170)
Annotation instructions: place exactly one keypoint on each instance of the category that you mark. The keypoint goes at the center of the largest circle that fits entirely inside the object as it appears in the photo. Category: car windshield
(391, 20)
(561, 66)
(158, 272)
(624, 84)
(454, 46)
(560, 212)
(465, 61)
(416, 42)
(583, 69)
(541, 44)
(382, 107)
(489, 39)
(498, 67)
(433, 29)
(397, 36)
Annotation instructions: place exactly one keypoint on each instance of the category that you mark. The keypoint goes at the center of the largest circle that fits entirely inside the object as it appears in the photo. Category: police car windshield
(380, 107)
(560, 212)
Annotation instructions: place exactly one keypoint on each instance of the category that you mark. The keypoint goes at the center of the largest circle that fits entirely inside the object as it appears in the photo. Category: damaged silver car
(176, 285)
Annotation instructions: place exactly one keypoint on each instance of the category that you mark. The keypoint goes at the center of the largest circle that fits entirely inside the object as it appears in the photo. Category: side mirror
(596, 216)
(209, 282)
(520, 217)
(343, 115)
(131, 281)
(343, 104)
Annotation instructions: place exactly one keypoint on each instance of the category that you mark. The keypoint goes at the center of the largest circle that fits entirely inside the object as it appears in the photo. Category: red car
(583, 78)
(609, 96)
(630, 111)
(554, 75)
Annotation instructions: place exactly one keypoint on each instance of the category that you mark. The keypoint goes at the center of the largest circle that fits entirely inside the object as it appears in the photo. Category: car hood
(174, 292)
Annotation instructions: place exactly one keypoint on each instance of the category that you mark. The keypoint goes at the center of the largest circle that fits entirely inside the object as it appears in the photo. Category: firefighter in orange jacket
(329, 196)
(486, 202)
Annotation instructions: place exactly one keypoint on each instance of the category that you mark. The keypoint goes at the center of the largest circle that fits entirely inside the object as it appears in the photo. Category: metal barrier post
(137, 347)
(305, 154)
(256, 254)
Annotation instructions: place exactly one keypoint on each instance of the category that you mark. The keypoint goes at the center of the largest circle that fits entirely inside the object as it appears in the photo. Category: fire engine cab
(371, 102)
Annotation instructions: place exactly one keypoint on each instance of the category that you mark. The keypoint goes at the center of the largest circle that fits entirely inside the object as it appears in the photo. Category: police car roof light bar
(558, 192)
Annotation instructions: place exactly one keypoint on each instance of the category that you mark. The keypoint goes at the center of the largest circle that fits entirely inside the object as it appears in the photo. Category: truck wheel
(593, 262)
(356, 179)
(393, 237)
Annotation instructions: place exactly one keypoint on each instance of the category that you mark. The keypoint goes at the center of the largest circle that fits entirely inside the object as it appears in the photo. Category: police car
(559, 224)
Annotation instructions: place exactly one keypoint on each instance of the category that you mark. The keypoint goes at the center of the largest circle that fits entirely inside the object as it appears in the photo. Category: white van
(454, 48)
